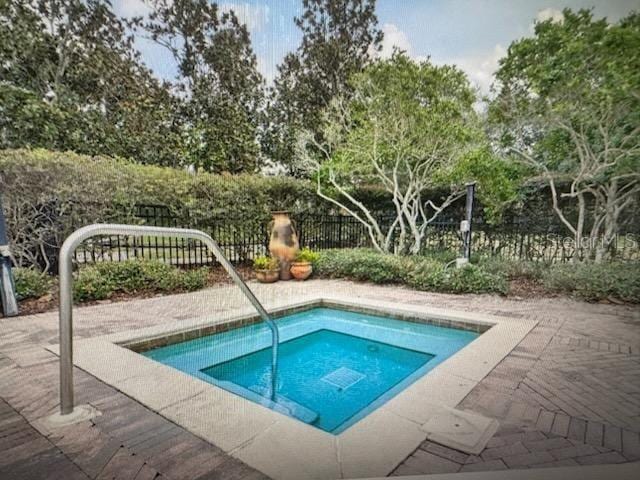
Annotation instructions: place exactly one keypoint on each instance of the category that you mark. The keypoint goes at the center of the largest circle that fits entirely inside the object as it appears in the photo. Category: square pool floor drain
(343, 378)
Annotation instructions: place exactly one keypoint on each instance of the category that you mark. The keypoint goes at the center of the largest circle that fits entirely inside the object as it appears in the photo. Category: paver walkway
(569, 394)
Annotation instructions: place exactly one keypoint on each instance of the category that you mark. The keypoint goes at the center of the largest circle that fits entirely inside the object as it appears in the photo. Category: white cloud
(393, 38)
(550, 14)
(255, 17)
(553, 14)
(480, 68)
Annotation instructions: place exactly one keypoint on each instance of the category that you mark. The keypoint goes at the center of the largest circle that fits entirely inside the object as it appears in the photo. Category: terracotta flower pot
(283, 243)
(267, 276)
(301, 270)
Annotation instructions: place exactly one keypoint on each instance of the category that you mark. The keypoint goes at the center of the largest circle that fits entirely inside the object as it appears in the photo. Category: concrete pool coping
(280, 446)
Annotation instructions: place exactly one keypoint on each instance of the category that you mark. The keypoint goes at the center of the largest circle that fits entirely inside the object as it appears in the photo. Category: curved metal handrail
(66, 294)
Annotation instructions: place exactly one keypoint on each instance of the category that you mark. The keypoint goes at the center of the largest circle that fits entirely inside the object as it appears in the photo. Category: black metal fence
(242, 239)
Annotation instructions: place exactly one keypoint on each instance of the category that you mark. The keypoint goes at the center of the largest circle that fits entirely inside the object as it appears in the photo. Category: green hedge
(45, 194)
(102, 280)
(30, 283)
(593, 282)
(362, 264)
(66, 176)
(417, 272)
(513, 269)
(586, 281)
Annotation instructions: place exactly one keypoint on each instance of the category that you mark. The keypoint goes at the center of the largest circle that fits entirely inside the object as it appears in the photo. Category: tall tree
(407, 128)
(71, 79)
(568, 107)
(218, 87)
(339, 38)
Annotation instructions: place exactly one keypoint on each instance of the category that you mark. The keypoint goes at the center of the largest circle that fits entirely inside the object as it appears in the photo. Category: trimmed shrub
(433, 276)
(427, 274)
(474, 279)
(417, 272)
(513, 268)
(46, 193)
(362, 264)
(594, 281)
(30, 283)
(90, 284)
(102, 280)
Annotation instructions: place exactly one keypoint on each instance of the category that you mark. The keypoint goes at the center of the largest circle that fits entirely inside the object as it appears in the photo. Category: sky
(472, 34)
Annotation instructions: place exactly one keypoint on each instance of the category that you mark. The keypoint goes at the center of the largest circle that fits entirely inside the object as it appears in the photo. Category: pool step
(287, 406)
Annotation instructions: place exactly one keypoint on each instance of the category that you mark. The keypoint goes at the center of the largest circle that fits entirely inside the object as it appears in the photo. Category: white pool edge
(282, 447)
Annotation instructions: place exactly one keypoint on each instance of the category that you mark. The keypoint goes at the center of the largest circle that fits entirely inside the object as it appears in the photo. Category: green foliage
(30, 283)
(415, 271)
(264, 262)
(427, 275)
(44, 193)
(512, 269)
(196, 279)
(217, 110)
(90, 284)
(307, 255)
(72, 80)
(410, 129)
(593, 282)
(102, 280)
(497, 180)
(361, 264)
(578, 74)
(64, 176)
(338, 36)
(567, 107)
(474, 279)
(403, 114)
(433, 276)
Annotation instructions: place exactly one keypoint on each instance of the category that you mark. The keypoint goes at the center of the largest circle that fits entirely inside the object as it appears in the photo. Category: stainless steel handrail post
(66, 294)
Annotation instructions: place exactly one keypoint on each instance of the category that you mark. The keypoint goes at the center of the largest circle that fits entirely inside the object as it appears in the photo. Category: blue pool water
(334, 366)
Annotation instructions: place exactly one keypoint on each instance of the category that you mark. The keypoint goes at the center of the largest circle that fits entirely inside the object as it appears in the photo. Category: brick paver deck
(568, 394)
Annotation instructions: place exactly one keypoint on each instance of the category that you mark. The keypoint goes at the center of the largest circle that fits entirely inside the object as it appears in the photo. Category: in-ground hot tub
(360, 382)
(334, 366)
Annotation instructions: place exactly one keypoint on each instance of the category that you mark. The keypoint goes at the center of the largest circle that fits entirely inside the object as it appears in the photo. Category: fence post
(471, 188)
(7, 286)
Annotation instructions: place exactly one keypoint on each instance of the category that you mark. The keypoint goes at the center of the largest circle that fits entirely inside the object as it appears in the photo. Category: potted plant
(302, 266)
(267, 269)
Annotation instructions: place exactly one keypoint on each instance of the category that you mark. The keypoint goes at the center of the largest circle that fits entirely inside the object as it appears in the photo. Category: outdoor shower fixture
(67, 413)
(465, 227)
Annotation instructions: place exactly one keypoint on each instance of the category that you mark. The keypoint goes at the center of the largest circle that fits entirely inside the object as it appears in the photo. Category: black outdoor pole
(471, 188)
(7, 287)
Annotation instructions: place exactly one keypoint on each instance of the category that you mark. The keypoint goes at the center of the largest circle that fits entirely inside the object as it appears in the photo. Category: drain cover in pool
(333, 374)
(343, 378)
